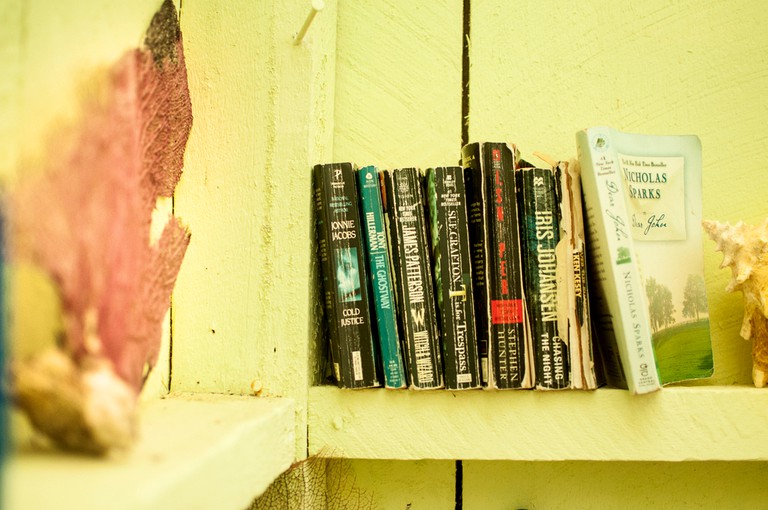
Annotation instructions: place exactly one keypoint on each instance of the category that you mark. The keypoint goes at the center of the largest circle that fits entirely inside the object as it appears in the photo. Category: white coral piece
(745, 251)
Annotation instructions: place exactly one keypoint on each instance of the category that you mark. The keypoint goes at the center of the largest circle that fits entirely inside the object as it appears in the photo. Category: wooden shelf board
(675, 424)
(193, 451)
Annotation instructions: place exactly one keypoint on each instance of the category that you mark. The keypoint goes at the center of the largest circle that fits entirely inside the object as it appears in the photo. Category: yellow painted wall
(380, 82)
(609, 485)
(241, 306)
(653, 67)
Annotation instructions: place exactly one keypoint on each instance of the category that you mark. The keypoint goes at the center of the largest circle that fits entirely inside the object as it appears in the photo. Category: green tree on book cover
(694, 297)
(660, 307)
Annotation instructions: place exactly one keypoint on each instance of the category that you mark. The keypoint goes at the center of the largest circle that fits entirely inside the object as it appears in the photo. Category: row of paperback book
(476, 276)
(456, 277)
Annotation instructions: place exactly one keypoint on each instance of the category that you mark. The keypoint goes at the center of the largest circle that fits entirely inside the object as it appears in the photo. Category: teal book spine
(540, 235)
(380, 277)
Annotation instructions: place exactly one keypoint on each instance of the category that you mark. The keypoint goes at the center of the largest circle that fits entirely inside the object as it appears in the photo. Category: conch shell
(745, 250)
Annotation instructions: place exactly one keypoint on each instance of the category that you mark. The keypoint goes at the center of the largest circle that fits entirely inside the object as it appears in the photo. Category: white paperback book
(642, 195)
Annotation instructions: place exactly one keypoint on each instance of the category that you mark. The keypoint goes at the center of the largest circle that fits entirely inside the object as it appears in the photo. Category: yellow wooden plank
(241, 306)
(193, 452)
(353, 483)
(398, 83)
(217, 298)
(714, 423)
(625, 485)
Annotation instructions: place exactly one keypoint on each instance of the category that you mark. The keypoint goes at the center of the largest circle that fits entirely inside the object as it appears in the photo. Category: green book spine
(341, 252)
(414, 274)
(379, 269)
(540, 233)
(453, 276)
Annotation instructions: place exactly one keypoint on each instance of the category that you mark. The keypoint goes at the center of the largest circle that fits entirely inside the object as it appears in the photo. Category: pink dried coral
(86, 222)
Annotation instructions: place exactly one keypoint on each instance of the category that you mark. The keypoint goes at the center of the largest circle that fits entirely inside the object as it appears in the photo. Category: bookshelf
(516, 95)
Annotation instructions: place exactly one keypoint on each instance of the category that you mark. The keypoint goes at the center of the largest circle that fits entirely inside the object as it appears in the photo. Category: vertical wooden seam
(170, 309)
(465, 33)
(465, 74)
(459, 485)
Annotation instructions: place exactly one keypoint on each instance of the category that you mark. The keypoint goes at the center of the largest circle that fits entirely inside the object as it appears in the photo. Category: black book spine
(475, 192)
(415, 294)
(385, 183)
(453, 276)
(541, 233)
(497, 264)
(341, 251)
(509, 345)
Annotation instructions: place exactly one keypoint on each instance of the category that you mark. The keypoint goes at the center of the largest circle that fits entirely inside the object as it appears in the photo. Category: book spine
(478, 235)
(620, 294)
(510, 350)
(541, 233)
(453, 276)
(385, 181)
(379, 269)
(341, 251)
(415, 292)
(572, 253)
